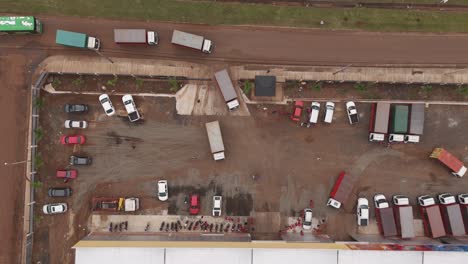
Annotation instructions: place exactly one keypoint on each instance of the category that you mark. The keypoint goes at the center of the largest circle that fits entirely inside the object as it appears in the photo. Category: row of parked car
(128, 102)
(313, 113)
(380, 202)
(194, 200)
(67, 174)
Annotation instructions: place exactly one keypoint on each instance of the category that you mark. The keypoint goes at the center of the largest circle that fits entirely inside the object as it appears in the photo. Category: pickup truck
(352, 112)
(130, 106)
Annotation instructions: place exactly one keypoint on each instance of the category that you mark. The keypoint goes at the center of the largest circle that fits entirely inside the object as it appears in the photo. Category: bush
(78, 81)
(174, 84)
(247, 87)
(38, 162)
(38, 134)
(462, 90)
(56, 83)
(36, 184)
(38, 102)
(361, 87)
(113, 82)
(138, 83)
(317, 86)
(426, 88)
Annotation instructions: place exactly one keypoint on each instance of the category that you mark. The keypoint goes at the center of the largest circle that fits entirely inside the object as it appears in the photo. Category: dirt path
(263, 45)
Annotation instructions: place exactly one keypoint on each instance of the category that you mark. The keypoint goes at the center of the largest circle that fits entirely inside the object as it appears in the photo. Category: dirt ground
(293, 165)
(356, 91)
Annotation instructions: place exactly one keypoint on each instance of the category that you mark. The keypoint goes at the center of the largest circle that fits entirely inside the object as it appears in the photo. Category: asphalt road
(262, 45)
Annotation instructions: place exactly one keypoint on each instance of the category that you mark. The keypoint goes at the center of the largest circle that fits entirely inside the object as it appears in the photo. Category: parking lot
(292, 165)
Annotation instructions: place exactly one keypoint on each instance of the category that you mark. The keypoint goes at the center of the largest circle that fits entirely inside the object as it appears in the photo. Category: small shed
(265, 86)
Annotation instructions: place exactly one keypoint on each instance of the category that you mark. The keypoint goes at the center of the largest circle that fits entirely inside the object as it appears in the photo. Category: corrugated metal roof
(417, 119)
(406, 221)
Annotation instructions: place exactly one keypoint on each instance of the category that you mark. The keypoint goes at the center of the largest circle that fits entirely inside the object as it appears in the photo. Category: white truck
(192, 41)
(227, 89)
(130, 106)
(216, 140)
(135, 36)
(352, 112)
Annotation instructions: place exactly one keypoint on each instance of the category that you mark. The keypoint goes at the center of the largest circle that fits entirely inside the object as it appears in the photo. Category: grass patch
(113, 82)
(317, 86)
(247, 87)
(38, 134)
(462, 90)
(175, 86)
(78, 82)
(361, 87)
(38, 102)
(38, 161)
(56, 83)
(215, 13)
(138, 83)
(426, 88)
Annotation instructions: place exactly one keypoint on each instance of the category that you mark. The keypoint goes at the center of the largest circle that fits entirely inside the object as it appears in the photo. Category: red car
(297, 111)
(72, 140)
(194, 204)
(67, 174)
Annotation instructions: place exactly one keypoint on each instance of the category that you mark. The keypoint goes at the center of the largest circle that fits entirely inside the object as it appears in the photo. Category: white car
(307, 221)
(107, 104)
(362, 212)
(352, 112)
(57, 208)
(329, 109)
(463, 198)
(426, 200)
(314, 113)
(163, 193)
(217, 204)
(131, 108)
(380, 201)
(400, 200)
(75, 124)
(446, 198)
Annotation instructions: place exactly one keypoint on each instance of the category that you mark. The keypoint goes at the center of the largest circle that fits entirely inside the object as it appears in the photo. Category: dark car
(74, 160)
(60, 192)
(76, 108)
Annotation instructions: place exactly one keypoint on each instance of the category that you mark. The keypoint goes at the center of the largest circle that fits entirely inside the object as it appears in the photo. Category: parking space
(272, 165)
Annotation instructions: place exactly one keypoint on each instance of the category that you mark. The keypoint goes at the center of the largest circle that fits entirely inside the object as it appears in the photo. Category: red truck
(453, 219)
(457, 167)
(432, 219)
(341, 190)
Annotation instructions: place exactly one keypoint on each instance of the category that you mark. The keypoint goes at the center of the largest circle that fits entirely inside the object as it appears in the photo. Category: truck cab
(446, 198)
(207, 46)
(426, 200)
(152, 38)
(400, 200)
(94, 43)
(352, 112)
(376, 137)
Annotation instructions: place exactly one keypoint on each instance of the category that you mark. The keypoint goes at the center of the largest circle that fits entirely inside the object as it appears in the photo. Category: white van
(396, 138)
(329, 109)
(411, 139)
(314, 113)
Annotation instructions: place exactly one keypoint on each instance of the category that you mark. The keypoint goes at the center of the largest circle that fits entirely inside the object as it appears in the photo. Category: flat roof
(265, 85)
(406, 221)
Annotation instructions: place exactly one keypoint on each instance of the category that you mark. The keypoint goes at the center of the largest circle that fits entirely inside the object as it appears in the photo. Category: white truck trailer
(216, 140)
(192, 41)
(227, 89)
(135, 36)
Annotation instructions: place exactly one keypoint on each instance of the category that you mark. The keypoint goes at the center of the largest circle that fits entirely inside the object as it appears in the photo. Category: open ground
(294, 165)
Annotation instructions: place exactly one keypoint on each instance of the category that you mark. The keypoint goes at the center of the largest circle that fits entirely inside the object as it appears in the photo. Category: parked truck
(399, 123)
(404, 221)
(386, 221)
(378, 127)
(352, 112)
(416, 123)
(454, 164)
(464, 213)
(432, 220)
(116, 204)
(227, 89)
(341, 190)
(192, 41)
(135, 36)
(77, 40)
(453, 219)
(216, 140)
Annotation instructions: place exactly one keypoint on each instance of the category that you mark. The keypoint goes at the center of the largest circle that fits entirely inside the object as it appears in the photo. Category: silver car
(58, 208)
(76, 124)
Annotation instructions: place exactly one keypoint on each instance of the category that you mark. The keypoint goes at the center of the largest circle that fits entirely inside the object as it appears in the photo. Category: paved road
(264, 45)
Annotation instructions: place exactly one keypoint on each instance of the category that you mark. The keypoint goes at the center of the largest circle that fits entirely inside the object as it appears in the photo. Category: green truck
(78, 40)
(399, 123)
(20, 25)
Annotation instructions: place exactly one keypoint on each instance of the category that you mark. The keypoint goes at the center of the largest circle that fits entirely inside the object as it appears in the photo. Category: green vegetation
(361, 87)
(38, 134)
(56, 83)
(247, 87)
(113, 82)
(38, 161)
(78, 81)
(138, 83)
(463, 90)
(38, 102)
(36, 184)
(317, 86)
(235, 13)
(174, 84)
(38, 218)
(426, 88)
